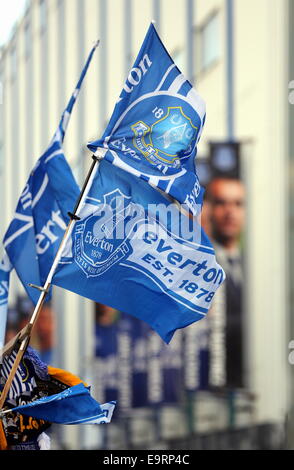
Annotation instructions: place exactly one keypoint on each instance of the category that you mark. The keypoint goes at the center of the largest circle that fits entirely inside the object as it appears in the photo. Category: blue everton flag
(135, 251)
(72, 406)
(5, 268)
(156, 125)
(40, 220)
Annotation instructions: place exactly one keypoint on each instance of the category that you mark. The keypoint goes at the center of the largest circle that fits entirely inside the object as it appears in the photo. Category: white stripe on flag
(124, 166)
(41, 191)
(27, 226)
(65, 121)
(177, 84)
(196, 101)
(165, 76)
(54, 154)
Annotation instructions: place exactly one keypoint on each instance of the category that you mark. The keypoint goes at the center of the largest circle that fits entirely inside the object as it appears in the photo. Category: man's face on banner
(227, 211)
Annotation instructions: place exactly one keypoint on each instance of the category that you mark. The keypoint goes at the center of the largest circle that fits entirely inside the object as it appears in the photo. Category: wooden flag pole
(25, 334)
(6, 350)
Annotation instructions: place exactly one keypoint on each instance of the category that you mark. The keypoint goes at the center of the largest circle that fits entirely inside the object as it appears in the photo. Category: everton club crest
(170, 138)
(102, 239)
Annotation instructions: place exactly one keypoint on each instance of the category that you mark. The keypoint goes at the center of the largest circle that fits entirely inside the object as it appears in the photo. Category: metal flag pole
(25, 334)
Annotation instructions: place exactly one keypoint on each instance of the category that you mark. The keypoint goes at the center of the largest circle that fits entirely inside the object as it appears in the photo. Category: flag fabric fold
(156, 125)
(72, 406)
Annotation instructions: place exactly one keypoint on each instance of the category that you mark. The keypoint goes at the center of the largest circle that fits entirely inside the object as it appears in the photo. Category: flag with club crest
(156, 125)
(135, 251)
(40, 220)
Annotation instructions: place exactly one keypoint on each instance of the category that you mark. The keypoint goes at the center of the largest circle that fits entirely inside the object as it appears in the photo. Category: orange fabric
(3, 442)
(65, 377)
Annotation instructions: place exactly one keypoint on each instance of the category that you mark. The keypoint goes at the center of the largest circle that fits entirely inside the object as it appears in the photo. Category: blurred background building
(238, 56)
